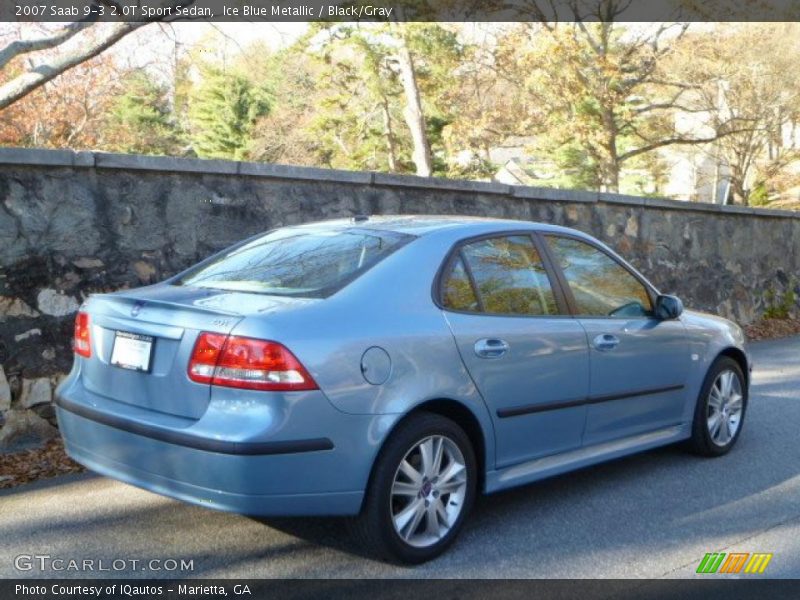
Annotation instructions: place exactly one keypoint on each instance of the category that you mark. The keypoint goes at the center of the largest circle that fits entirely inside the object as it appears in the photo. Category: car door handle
(491, 348)
(605, 341)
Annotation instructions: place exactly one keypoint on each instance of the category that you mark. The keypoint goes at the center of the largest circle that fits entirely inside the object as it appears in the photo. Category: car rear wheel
(422, 488)
(720, 409)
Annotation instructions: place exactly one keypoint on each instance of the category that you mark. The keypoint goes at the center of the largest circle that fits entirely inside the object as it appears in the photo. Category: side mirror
(668, 307)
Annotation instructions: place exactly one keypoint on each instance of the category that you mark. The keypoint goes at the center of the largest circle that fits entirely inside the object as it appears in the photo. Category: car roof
(419, 225)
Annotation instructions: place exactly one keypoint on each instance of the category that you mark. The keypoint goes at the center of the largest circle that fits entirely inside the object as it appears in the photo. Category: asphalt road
(653, 515)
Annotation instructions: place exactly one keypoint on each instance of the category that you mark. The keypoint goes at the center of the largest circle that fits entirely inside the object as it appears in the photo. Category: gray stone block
(439, 183)
(303, 173)
(35, 391)
(5, 391)
(165, 163)
(558, 195)
(668, 203)
(83, 159)
(773, 213)
(23, 429)
(36, 156)
(620, 199)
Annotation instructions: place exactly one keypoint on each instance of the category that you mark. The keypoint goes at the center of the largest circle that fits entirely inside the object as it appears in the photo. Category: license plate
(132, 351)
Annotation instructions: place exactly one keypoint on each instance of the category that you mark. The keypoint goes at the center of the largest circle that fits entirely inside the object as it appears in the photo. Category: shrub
(779, 307)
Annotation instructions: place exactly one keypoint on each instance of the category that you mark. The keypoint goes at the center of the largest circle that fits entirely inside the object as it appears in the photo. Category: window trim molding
(445, 269)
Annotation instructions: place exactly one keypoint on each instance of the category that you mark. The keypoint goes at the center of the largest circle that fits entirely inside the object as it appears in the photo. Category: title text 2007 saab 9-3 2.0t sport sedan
(392, 368)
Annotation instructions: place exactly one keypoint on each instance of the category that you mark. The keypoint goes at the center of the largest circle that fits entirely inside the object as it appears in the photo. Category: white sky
(155, 44)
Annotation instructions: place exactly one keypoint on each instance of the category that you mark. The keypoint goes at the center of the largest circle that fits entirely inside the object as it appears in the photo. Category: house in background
(701, 173)
(694, 174)
(517, 166)
(689, 172)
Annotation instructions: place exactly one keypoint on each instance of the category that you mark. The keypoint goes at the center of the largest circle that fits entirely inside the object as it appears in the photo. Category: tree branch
(673, 142)
(20, 47)
(37, 76)
(22, 85)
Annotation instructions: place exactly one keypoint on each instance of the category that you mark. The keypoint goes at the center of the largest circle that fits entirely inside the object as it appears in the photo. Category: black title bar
(702, 588)
(398, 10)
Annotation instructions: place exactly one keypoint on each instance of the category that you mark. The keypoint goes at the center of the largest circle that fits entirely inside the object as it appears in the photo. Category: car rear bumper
(329, 503)
(180, 438)
(319, 467)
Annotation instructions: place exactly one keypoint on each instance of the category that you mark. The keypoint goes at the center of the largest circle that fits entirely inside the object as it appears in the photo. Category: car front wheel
(720, 409)
(422, 488)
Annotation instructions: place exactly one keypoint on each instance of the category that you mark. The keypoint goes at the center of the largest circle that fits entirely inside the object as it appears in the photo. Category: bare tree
(80, 41)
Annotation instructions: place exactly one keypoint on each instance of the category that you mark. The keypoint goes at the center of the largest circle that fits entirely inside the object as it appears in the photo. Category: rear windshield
(288, 262)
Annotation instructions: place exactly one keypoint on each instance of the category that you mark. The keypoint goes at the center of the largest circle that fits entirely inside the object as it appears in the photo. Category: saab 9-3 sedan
(390, 369)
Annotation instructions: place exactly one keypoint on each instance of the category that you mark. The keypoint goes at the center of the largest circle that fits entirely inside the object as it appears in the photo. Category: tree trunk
(389, 131)
(612, 179)
(415, 118)
(612, 168)
(740, 192)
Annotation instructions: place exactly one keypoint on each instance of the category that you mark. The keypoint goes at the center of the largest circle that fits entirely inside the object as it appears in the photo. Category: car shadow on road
(330, 532)
(335, 532)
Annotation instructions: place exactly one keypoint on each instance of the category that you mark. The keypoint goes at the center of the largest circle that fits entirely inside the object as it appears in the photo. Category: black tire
(374, 527)
(701, 442)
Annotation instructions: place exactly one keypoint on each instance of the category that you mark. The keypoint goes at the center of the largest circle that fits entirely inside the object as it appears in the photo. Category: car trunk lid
(170, 318)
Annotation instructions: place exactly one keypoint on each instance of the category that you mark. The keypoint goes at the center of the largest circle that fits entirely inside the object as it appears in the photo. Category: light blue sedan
(392, 368)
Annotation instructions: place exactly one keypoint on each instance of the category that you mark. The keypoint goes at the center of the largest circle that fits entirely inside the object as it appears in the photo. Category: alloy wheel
(725, 405)
(428, 491)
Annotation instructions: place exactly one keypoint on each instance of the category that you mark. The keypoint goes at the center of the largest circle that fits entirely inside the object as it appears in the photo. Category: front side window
(599, 284)
(297, 262)
(508, 274)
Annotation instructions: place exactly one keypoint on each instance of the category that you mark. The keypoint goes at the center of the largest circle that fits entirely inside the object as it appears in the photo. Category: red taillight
(81, 342)
(247, 363)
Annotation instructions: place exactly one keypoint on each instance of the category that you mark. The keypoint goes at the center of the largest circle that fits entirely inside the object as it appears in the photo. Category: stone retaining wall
(72, 224)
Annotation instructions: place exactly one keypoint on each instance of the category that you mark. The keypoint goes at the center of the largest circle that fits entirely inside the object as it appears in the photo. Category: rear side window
(600, 285)
(293, 262)
(457, 293)
(509, 278)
